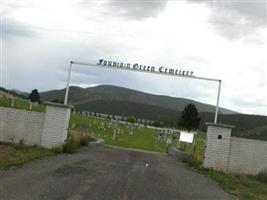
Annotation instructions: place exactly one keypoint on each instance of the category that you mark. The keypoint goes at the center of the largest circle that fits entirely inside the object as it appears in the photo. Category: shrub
(20, 145)
(192, 162)
(70, 146)
(261, 177)
(84, 141)
(58, 149)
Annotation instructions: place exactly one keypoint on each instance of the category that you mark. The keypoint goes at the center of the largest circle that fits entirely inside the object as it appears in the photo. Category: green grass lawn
(17, 155)
(141, 138)
(20, 104)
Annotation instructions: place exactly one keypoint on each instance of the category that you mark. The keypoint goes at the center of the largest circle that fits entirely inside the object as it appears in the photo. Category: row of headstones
(115, 123)
(163, 134)
(30, 104)
(167, 135)
(108, 124)
(111, 116)
(117, 132)
(102, 115)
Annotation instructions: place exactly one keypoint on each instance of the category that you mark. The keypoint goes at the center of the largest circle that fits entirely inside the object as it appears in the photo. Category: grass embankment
(20, 104)
(139, 138)
(244, 187)
(17, 155)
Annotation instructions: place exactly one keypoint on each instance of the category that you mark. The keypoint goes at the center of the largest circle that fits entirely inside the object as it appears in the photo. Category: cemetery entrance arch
(107, 64)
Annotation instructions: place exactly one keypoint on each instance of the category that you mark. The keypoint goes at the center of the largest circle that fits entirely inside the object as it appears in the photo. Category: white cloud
(42, 37)
(234, 18)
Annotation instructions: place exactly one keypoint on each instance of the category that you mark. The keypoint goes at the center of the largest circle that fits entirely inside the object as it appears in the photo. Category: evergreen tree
(34, 96)
(189, 118)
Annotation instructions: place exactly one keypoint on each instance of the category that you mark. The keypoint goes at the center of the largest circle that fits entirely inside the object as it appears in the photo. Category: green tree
(189, 118)
(131, 119)
(34, 96)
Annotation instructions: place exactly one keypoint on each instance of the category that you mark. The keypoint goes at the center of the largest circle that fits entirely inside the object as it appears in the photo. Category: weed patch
(70, 146)
(242, 186)
(17, 155)
(261, 177)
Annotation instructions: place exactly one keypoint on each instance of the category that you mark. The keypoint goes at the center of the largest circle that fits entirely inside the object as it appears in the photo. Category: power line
(72, 31)
(107, 34)
(230, 23)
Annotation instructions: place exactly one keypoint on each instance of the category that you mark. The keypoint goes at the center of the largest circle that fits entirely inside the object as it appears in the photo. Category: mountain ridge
(78, 95)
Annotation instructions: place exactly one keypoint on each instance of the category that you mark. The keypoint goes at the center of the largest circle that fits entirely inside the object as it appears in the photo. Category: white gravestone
(114, 134)
(168, 141)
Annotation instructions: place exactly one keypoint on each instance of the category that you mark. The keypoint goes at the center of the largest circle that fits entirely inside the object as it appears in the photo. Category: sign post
(147, 69)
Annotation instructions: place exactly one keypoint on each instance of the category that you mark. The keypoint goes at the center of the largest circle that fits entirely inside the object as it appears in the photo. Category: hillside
(259, 133)
(83, 96)
(125, 108)
(13, 93)
(246, 126)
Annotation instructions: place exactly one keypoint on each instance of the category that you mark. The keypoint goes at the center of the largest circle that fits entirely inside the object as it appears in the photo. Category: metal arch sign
(148, 69)
(139, 67)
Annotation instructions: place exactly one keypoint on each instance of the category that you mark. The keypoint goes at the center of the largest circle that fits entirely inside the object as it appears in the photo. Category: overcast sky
(218, 39)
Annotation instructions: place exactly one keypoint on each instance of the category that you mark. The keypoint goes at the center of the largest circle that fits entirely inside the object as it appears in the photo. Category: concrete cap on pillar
(220, 125)
(57, 104)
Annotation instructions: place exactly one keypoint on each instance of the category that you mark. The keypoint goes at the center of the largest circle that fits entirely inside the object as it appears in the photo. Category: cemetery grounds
(129, 135)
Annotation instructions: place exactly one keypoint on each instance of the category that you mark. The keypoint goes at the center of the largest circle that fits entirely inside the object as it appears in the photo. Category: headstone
(159, 137)
(12, 103)
(114, 134)
(30, 105)
(168, 141)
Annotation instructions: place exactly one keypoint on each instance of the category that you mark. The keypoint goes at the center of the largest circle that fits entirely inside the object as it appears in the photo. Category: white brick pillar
(56, 124)
(218, 143)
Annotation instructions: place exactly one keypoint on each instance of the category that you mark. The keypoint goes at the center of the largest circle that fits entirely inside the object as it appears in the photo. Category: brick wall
(47, 129)
(232, 154)
(16, 125)
(247, 156)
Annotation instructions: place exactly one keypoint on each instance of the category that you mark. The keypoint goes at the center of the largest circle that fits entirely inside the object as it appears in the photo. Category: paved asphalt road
(107, 173)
